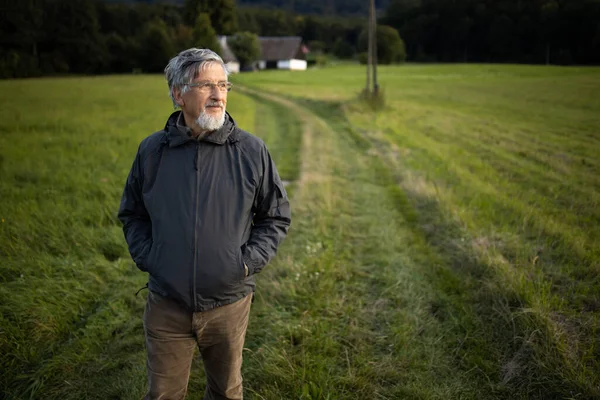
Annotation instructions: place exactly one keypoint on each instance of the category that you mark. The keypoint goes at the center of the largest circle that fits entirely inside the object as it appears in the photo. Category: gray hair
(184, 67)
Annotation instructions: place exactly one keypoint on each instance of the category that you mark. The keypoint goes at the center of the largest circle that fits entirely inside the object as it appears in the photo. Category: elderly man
(203, 211)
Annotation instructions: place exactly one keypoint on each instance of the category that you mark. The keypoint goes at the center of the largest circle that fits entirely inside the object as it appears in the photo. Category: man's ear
(177, 96)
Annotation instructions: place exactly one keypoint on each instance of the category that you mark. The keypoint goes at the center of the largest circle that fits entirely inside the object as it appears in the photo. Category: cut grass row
(500, 173)
(346, 311)
(282, 133)
(539, 235)
(401, 319)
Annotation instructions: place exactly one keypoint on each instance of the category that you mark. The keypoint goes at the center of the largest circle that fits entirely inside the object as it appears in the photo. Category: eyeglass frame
(212, 86)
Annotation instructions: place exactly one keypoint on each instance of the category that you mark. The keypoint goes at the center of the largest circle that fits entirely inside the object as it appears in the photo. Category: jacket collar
(178, 133)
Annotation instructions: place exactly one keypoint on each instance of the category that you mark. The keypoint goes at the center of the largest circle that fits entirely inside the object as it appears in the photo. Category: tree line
(52, 37)
(519, 31)
(49, 37)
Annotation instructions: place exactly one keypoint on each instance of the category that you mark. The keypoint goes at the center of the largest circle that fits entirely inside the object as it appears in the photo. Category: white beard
(209, 123)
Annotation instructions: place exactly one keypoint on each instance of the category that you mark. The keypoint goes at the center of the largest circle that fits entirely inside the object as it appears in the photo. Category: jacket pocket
(240, 263)
(151, 259)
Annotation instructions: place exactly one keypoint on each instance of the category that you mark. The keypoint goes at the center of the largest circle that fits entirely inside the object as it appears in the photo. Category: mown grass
(514, 162)
(408, 272)
(498, 168)
(347, 311)
(282, 133)
(70, 324)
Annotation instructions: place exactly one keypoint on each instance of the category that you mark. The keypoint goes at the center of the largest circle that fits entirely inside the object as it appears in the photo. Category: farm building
(277, 52)
(282, 52)
(233, 65)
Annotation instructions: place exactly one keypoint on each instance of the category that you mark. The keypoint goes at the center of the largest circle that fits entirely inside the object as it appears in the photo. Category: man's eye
(206, 85)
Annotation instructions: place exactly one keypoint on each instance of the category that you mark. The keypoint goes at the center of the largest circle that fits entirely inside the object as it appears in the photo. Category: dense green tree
(390, 47)
(156, 47)
(316, 46)
(246, 47)
(246, 21)
(275, 23)
(532, 31)
(502, 38)
(342, 49)
(222, 14)
(118, 18)
(203, 35)
(182, 37)
(71, 30)
(328, 30)
(120, 50)
(20, 35)
(95, 36)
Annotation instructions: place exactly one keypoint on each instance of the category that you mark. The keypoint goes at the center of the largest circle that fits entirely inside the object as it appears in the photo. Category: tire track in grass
(282, 133)
(360, 305)
(530, 344)
(558, 347)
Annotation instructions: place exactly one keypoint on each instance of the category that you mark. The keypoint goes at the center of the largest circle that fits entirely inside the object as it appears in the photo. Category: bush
(14, 64)
(317, 59)
(363, 58)
(317, 46)
(342, 49)
(120, 51)
(322, 60)
(156, 47)
(203, 34)
(246, 47)
(390, 47)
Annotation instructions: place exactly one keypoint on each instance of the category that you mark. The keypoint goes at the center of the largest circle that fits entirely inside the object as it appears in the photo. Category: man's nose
(217, 94)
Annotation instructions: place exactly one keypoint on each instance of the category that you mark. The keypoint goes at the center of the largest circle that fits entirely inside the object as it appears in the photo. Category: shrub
(390, 47)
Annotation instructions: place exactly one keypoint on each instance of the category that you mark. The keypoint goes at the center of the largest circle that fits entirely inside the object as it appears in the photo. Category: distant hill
(328, 7)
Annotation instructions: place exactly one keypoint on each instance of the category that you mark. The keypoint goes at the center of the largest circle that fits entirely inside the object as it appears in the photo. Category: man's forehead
(211, 71)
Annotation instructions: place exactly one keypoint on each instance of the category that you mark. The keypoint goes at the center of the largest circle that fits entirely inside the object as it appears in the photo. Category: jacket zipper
(195, 244)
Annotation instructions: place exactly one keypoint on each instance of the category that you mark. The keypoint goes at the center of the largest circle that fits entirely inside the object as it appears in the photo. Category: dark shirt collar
(180, 124)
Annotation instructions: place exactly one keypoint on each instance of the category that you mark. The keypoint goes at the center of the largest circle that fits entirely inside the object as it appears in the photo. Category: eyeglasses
(208, 87)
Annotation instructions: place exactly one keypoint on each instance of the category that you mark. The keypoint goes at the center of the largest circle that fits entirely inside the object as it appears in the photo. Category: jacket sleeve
(272, 218)
(137, 225)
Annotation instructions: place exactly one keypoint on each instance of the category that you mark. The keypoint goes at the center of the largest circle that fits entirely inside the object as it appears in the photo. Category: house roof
(275, 48)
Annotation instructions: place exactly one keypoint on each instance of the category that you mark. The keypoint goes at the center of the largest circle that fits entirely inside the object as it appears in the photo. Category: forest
(57, 37)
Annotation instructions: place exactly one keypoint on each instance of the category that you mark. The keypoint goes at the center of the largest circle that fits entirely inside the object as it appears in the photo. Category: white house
(231, 61)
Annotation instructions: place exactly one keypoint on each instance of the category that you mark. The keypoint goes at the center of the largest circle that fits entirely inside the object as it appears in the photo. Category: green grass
(498, 167)
(282, 132)
(444, 247)
(66, 282)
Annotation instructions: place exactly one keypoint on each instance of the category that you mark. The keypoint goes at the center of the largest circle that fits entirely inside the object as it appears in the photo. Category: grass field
(444, 247)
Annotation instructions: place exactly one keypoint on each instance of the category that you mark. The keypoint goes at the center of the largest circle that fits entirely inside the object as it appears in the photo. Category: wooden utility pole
(372, 52)
(374, 47)
(369, 58)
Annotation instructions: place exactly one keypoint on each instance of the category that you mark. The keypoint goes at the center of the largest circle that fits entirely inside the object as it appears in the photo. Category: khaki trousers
(172, 332)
